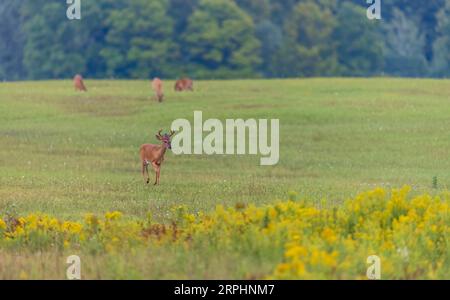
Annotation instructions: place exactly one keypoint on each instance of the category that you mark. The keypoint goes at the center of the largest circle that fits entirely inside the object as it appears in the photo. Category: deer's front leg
(156, 167)
(159, 169)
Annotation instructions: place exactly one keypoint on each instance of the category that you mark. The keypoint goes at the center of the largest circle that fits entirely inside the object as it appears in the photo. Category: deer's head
(165, 138)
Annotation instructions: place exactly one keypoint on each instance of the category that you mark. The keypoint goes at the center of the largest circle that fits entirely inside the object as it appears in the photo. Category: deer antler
(159, 133)
(171, 133)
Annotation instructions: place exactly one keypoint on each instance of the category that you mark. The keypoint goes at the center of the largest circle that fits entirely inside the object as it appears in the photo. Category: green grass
(67, 153)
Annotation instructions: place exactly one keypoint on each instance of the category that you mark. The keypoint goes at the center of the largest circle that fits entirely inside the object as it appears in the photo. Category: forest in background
(217, 39)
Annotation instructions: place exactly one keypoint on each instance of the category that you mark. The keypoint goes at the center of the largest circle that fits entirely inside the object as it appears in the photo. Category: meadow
(67, 154)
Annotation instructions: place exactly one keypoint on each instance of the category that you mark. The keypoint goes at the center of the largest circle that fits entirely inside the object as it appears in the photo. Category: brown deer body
(79, 84)
(184, 84)
(157, 86)
(154, 155)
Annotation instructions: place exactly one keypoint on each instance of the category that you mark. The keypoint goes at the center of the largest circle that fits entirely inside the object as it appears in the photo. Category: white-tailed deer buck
(154, 155)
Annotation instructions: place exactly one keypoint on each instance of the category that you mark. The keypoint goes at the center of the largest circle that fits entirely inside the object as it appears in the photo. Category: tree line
(223, 39)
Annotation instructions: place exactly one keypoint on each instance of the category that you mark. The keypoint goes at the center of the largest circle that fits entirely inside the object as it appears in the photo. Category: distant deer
(154, 155)
(157, 86)
(78, 83)
(184, 84)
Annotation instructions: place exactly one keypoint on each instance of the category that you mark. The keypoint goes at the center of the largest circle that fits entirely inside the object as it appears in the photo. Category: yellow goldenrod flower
(113, 215)
(2, 224)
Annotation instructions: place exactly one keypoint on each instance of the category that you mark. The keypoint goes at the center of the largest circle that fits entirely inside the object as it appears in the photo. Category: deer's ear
(157, 137)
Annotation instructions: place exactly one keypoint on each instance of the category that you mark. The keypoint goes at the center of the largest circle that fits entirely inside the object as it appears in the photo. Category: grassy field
(66, 153)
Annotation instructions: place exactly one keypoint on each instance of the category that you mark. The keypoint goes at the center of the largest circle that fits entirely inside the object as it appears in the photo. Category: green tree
(441, 46)
(270, 36)
(139, 40)
(222, 38)
(48, 38)
(56, 47)
(11, 40)
(259, 10)
(221, 41)
(180, 11)
(89, 35)
(422, 12)
(280, 10)
(308, 48)
(404, 47)
(359, 44)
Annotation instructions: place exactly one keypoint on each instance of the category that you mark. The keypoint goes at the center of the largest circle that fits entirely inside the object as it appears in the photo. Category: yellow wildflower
(296, 252)
(329, 235)
(113, 215)
(2, 224)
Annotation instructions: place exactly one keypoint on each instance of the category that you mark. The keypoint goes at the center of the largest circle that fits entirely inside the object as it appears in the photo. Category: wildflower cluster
(298, 240)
